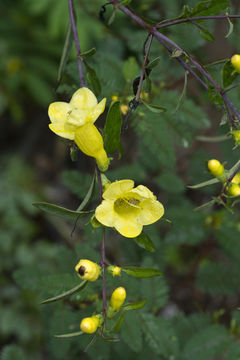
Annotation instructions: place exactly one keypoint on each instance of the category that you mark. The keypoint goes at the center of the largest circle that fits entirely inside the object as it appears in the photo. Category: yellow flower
(234, 190)
(236, 136)
(89, 325)
(236, 179)
(235, 60)
(127, 208)
(88, 270)
(75, 121)
(118, 297)
(114, 270)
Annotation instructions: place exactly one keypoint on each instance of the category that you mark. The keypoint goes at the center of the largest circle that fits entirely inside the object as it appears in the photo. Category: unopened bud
(88, 270)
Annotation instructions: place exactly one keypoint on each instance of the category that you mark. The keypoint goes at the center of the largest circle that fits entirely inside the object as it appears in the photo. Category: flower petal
(127, 227)
(105, 213)
(83, 98)
(60, 130)
(57, 111)
(143, 192)
(117, 189)
(96, 111)
(152, 210)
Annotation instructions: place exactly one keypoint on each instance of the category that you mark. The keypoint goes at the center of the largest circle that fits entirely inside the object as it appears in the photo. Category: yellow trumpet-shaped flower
(127, 208)
(88, 270)
(75, 121)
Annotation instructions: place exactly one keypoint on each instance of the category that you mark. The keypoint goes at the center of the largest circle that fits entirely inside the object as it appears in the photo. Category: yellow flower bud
(124, 109)
(236, 179)
(114, 98)
(215, 168)
(118, 297)
(114, 270)
(88, 270)
(234, 190)
(236, 136)
(89, 325)
(235, 60)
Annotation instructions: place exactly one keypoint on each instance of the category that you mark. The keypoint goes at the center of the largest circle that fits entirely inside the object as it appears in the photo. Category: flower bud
(114, 270)
(88, 270)
(89, 325)
(233, 190)
(118, 297)
(236, 136)
(236, 179)
(235, 60)
(124, 109)
(215, 168)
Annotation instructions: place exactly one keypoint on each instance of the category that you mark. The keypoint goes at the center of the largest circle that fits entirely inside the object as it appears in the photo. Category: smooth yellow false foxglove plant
(128, 209)
(75, 121)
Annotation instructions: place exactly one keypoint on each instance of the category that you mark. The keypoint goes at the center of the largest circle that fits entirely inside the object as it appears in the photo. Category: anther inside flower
(75, 121)
(128, 209)
(88, 270)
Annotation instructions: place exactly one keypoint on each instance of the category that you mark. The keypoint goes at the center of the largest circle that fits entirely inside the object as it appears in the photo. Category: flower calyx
(88, 270)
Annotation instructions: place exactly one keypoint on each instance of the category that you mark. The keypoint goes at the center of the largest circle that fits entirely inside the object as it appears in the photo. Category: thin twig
(195, 18)
(77, 43)
(103, 254)
(149, 43)
(164, 40)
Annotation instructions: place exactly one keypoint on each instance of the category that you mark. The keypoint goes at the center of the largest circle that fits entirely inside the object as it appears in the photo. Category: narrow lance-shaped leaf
(88, 195)
(153, 63)
(93, 80)
(135, 305)
(65, 53)
(89, 52)
(119, 322)
(154, 108)
(204, 183)
(144, 241)
(230, 28)
(205, 33)
(112, 129)
(66, 293)
(60, 211)
(78, 333)
(182, 96)
(141, 272)
(209, 7)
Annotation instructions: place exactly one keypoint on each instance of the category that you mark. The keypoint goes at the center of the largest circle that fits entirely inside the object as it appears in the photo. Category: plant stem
(149, 43)
(103, 252)
(196, 18)
(77, 43)
(165, 41)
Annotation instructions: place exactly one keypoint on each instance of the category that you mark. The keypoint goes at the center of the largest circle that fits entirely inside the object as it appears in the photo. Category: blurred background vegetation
(191, 312)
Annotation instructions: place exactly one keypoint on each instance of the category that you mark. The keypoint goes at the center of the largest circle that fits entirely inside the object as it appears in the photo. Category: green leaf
(135, 305)
(78, 333)
(112, 128)
(230, 28)
(153, 63)
(93, 80)
(205, 33)
(182, 96)
(154, 108)
(209, 7)
(228, 74)
(213, 138)
(88, 195)
(206, 205)
(204, 183)
(65, 53)
(130, 69)
(65, 294)
(141, 272)
(131, 332)
(119, 322)
(88, 52)
(60, 211)
(144, 241)
(125, 2)
(214, 95)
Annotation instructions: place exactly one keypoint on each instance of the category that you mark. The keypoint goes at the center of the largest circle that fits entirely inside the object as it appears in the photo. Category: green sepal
(139, 272)
(60, 211)
(66, 293)
(144, 241)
